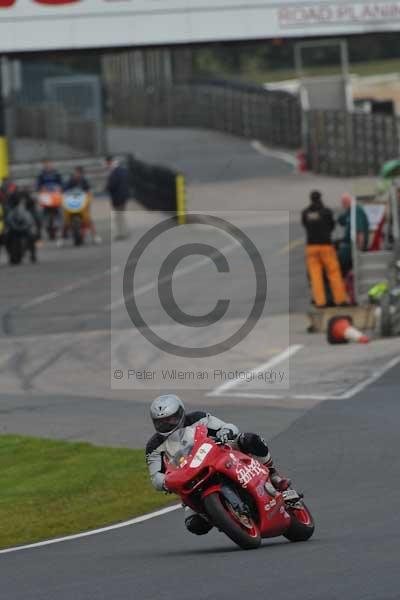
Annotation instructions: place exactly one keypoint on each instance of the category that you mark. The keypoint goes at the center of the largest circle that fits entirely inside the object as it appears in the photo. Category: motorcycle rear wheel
(302, 525)
(247, 538)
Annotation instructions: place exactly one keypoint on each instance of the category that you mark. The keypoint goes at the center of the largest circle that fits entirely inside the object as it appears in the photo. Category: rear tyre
(386, 316)
(76, 227)
(302, 525)
(248, 538)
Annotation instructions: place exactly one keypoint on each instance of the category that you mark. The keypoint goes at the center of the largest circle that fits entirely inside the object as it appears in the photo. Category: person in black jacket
(118, 187)
(49, 179)
(321, 257)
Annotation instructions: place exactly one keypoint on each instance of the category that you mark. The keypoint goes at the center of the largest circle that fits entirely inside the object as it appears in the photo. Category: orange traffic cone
(342, 331)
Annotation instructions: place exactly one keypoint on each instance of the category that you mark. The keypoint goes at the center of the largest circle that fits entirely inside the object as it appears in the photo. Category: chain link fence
(350, 144)
(53, 112)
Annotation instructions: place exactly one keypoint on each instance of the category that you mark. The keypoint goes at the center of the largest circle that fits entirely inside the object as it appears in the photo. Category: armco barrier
(158, 188)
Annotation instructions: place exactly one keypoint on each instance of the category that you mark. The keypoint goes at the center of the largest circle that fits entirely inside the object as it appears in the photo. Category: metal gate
(59, 117)
(75, 104)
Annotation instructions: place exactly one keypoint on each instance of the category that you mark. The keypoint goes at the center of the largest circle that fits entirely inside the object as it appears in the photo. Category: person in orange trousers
(321, 256)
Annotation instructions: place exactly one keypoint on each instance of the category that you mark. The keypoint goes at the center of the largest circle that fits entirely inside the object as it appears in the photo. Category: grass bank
(51, 488)
(363, 69)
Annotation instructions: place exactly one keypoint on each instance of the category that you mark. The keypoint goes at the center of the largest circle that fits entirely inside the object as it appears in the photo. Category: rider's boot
(195, 523)
(279, 482)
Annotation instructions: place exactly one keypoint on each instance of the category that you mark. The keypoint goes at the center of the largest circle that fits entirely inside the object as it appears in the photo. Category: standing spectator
(118, 186)
(321, 256)
(362, 228)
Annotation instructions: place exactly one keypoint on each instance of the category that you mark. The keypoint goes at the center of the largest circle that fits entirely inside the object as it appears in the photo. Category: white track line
(284, 156)
(67, 289)
(177, 273)
(353, 391)
(282, 396)
(370, 380)
(273, 362)
(78, 536)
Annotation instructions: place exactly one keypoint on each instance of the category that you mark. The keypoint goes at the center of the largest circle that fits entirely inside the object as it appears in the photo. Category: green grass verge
(364, 69)
(51, 488)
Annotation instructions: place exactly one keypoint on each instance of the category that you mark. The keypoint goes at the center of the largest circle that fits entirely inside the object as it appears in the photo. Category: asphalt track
(342, 453)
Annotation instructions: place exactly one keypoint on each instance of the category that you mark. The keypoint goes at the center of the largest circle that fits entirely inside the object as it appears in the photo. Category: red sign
(8, 3)
(56, 2)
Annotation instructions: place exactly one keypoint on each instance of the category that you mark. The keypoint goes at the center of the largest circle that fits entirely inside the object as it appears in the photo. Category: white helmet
(168, 414)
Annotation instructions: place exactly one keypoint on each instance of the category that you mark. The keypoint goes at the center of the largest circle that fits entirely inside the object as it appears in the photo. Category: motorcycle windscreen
(180, 444)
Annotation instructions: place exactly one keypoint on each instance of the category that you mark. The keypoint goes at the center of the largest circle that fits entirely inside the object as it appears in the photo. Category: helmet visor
(168, 424)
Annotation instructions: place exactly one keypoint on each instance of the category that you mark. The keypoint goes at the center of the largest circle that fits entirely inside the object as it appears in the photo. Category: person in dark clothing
(319, 223)
(32, 208)
(20, 221)
(78, 181)
(118, 187)
(7, 191)
(362, 227)
(49, 179)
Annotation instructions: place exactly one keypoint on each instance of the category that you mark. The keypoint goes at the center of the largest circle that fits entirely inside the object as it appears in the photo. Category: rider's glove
(225, 435)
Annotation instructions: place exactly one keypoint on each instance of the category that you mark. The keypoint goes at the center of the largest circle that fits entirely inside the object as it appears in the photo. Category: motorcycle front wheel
(240, 529)
(77, 231)
(302, 524)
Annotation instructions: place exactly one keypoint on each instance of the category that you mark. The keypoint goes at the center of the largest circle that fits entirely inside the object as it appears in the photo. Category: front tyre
(241, 530)
(302, 524)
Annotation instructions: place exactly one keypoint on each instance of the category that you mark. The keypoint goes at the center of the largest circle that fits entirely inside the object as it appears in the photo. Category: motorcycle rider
(19, 219)
(168, 415)
(7, 189)
(49, 179)
(79, 181)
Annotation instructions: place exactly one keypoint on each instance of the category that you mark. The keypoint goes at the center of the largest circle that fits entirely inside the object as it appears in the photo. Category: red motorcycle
(233, 490)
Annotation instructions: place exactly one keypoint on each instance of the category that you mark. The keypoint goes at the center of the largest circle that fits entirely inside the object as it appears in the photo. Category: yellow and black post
(4, 168)
(180, 199)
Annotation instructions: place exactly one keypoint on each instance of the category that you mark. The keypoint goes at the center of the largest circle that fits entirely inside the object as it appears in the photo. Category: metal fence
(336, 142)
(350, 144)
(56, 117)
(239, 109)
